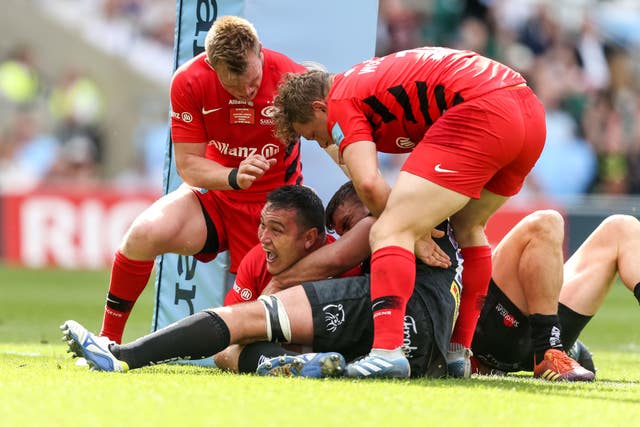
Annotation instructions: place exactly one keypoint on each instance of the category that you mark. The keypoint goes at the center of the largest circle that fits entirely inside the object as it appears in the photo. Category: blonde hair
(294, 101)
(228, 41)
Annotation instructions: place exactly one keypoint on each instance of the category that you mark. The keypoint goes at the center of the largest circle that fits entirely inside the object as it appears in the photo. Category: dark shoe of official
(581, 354)
(558, 366)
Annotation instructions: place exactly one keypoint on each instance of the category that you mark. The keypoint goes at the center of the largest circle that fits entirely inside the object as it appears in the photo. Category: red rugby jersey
(393, 100)
(203, 112)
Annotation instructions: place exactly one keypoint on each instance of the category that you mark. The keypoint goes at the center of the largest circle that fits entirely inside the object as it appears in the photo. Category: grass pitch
(40, 385)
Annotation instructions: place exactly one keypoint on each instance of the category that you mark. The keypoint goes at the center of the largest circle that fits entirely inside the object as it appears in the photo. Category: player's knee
(619, 226)
(547, 224)
(227, 359)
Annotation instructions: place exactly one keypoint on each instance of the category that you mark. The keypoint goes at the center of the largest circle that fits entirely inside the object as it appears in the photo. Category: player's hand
(252, 168)
(429, 252)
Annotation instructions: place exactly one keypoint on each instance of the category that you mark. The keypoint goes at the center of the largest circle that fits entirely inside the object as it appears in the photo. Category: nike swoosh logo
(210, 111)
(439, 168)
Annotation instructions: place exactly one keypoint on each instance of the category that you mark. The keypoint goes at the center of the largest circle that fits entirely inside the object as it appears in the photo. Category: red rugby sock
(128, 280)
(393, 273)
(475, 283)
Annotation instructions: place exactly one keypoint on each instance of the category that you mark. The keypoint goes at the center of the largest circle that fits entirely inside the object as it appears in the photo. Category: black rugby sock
(572, 324)
(195, 337)
(636, 292)
(545, 334)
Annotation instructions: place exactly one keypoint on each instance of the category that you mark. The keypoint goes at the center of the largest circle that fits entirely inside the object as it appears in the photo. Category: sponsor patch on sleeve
(337, 134)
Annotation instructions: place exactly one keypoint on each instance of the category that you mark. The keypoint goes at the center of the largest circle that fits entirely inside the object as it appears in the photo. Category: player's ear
(261, 53)
(310, 238)
(319, 105)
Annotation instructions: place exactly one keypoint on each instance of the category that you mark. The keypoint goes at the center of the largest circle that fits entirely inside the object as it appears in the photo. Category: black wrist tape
(233, 179)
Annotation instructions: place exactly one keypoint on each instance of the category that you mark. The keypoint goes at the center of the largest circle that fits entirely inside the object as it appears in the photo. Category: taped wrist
(278, 326)
(233, 179)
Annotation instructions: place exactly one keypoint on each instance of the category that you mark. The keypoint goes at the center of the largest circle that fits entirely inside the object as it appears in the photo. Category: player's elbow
(370, 187)
(183, 167)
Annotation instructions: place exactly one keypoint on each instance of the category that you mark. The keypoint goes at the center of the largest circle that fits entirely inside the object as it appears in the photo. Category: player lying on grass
(500, 342)
(528, 275)
(519, 325)
(330, 315)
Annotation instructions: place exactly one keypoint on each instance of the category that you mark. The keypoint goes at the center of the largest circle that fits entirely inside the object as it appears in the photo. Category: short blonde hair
(228, 41)
(294, 101)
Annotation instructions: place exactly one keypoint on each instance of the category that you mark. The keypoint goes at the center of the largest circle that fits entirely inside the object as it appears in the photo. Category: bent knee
(547, 224)
(620, 225)
(148, 236)
(227, 359)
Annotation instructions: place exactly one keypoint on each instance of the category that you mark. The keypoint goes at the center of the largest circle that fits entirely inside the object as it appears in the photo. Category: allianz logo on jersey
(184, 116)
(268, 150)
(244, 293)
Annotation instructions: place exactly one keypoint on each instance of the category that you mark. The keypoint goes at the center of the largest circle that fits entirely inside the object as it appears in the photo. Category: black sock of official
(545, 334)
(195, 337)
(636, 292)
(571, 324)
(254, 354)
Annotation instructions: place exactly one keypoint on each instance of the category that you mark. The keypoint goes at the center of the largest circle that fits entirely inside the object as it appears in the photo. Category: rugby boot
(309, 365)
(94, 349)
(376, 366)
(558, 366)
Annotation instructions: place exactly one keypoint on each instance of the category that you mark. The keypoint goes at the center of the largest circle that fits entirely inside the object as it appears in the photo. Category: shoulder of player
(251, 265)
(254, 257)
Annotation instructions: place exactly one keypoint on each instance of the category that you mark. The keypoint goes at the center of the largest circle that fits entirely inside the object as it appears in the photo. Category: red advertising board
(68, 228)
(77, 228)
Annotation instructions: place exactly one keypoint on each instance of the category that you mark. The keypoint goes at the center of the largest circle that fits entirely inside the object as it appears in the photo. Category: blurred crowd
(50, 130)
(52, 126)
(580, 56)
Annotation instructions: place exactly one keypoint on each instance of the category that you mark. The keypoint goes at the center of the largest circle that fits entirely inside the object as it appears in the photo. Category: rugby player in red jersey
(330, 315)
(291, 227)
(473, 129)
(225, 152)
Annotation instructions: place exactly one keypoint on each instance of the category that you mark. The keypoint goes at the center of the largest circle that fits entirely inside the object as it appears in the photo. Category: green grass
(39, 384)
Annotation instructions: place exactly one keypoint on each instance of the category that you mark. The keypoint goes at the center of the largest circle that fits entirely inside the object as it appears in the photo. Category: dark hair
(310, 211)
(346, 192)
